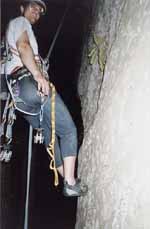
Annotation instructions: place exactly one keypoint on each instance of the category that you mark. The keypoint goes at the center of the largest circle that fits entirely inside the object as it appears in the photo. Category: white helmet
(39, 2)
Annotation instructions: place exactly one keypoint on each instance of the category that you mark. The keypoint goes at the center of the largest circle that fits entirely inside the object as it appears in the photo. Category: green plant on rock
(98, 52)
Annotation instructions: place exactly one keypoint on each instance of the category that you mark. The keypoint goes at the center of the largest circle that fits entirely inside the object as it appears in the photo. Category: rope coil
(51, 146)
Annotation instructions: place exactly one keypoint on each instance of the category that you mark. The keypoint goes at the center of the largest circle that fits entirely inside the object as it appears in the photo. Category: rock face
(114, 159)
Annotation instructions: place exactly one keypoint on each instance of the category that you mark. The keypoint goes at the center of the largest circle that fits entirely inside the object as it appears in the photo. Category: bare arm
(27, 58)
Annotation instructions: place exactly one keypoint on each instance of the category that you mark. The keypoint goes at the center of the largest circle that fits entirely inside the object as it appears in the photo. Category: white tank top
(15, 28)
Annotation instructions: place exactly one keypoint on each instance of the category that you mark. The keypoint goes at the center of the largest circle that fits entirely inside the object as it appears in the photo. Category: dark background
(47, 208)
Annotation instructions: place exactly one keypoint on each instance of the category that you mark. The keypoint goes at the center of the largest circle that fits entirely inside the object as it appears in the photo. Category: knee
(71, 130)
(74, 131)
(71, 137)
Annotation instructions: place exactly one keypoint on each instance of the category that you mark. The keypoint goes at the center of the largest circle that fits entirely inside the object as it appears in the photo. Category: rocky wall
(114, 158)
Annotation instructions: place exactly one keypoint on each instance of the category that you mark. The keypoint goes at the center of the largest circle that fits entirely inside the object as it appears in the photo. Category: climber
(37, 93)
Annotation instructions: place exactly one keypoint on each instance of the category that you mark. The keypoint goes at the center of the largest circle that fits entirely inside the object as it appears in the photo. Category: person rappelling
(35, 97)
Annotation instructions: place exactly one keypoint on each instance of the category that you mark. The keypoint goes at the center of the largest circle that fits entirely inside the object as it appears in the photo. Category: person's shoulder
(19, 21)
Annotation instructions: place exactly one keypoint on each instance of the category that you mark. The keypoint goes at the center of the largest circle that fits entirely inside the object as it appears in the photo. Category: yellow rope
(11, 104)
(51, 146)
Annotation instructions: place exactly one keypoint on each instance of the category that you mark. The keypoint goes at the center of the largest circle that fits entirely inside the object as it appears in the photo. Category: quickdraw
(6, 132)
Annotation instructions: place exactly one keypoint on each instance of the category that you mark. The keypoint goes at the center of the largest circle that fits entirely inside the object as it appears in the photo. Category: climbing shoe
(78, 189)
